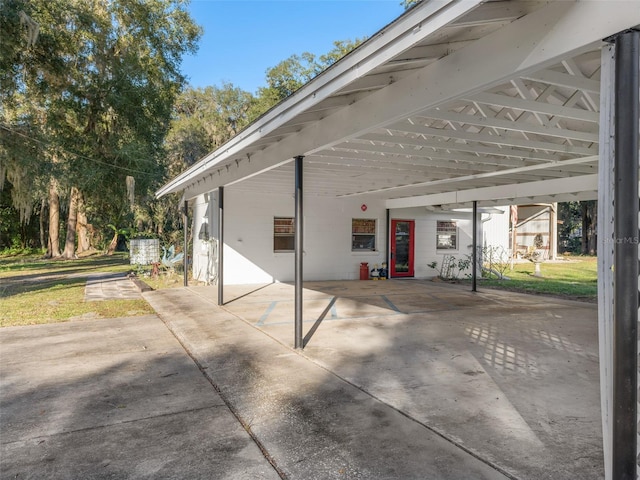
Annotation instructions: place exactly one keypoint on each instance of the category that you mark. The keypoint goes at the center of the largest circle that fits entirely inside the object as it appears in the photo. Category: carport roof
(456, 100)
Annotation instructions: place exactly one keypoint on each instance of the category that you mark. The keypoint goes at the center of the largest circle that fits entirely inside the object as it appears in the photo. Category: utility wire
(133, 170)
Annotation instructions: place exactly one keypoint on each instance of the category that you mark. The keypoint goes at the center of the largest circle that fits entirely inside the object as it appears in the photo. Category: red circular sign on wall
(363, 207)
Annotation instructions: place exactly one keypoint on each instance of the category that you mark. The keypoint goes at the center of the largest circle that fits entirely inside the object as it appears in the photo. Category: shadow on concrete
(511, 378)
(314, 424)
(446, 385)
(116, 398)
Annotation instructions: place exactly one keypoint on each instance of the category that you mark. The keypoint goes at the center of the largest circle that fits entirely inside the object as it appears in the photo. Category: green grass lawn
(35, 291)
(21, 266)
(574, 278)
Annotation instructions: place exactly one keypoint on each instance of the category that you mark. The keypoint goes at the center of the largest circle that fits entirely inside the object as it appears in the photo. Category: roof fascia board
(509, 193)
(407, 30)
(536, 41)
(211, 181)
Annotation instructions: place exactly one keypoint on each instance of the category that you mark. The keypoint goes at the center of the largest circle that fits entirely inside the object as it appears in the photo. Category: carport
(461, 103)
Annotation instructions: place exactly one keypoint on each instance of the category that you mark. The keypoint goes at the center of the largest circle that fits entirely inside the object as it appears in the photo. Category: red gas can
(364, 271)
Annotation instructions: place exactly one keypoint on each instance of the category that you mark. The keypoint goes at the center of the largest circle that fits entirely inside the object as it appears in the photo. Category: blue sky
(243, 38)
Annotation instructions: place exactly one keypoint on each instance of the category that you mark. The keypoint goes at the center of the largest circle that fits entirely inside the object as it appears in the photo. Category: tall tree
(589, 226)
(203, 119)
(292, 73)
(578, 226)
(100, 80)
(407, 4)
(53, 243)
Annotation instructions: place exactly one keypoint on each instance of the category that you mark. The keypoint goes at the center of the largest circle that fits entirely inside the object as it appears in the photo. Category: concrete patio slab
(314, 424)
(512, 378)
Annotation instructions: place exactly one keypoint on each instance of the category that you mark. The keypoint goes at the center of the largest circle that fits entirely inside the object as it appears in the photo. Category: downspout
(185, 248)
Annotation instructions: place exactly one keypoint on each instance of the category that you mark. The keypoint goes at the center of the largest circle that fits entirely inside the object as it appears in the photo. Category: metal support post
(625, 340)
(185, 248)
(388, 252)
(553, 231)
(474, 252)
(220, 246)
(299, 244)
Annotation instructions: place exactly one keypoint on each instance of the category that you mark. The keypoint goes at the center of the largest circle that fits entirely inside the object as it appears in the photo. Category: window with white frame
(363, 234)
(284, 237)
(446, 235)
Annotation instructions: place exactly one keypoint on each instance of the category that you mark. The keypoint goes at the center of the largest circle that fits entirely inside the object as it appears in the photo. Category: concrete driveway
(400, 380)
(115, 398)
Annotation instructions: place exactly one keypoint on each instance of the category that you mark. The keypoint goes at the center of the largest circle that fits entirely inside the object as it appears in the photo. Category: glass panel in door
(402, 248)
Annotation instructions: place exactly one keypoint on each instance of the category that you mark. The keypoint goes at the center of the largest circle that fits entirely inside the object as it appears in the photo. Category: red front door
(402, 248)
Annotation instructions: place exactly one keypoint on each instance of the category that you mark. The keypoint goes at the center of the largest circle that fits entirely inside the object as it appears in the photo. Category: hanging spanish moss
(3, 175)
(21, 193)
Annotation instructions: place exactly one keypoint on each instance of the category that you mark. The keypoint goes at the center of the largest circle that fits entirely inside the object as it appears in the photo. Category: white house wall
(538, 225)
(495, 229)
(248, 236)
(248, 232)
(425, 236)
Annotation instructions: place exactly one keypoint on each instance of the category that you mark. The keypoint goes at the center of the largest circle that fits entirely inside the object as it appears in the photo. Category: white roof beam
(560, 79)
(495, 139)
(432, 155)
(495, 12)
(527, 94)
(534, 106)
(498, 173)
(428, 52)
(467, 163)
(584, 183)
(573, 69)
(427, 164)
(337, 101)
(370, 82)
(440, 145)
(512, 126)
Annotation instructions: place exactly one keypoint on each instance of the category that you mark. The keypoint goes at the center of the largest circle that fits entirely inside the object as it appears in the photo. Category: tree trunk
(589, 209)
(585, 229)
(593, 230)
(84, 242)
(43, 242)
(114, 243)
(53, 245)
(72, 221)
(23, 235)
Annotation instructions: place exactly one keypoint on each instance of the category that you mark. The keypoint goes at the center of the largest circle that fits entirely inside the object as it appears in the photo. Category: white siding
(248, 252)
(495, 229)
(248, 237)
(425, 236)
